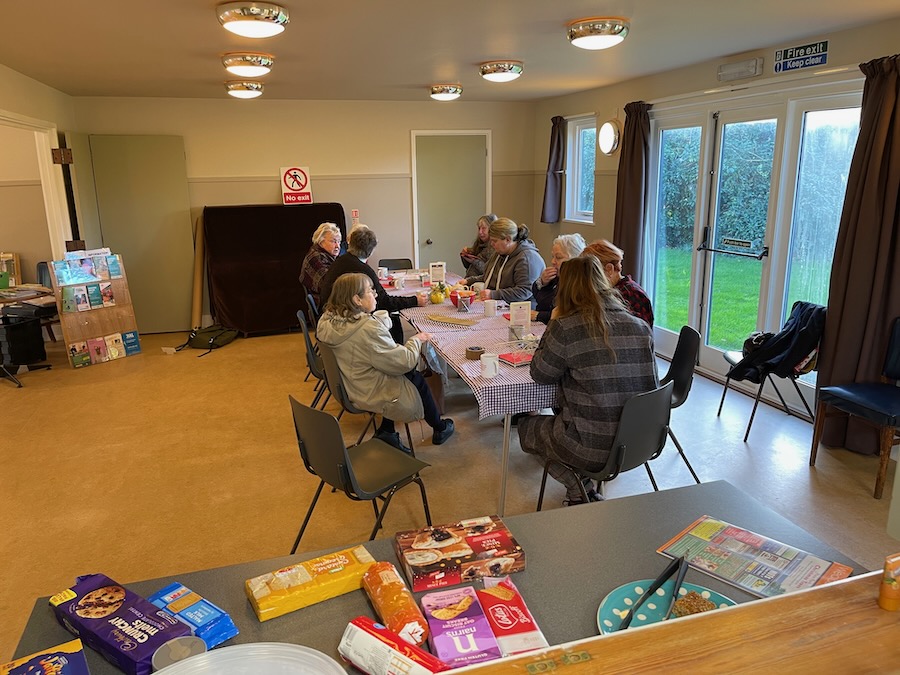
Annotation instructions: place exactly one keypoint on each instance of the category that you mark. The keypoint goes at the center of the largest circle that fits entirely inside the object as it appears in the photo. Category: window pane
(742, 205)
(679, 165)
(826, 148)
(587, 141)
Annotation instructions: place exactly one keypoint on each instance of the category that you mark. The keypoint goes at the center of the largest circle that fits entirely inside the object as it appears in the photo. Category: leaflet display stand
(95, 310)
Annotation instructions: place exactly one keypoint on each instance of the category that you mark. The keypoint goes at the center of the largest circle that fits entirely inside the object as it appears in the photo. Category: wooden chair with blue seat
(369, 471)
(875, 403)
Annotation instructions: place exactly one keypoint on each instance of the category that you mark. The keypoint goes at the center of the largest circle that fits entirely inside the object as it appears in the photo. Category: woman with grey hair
(326, 247)
(565, 247)
(475, 256)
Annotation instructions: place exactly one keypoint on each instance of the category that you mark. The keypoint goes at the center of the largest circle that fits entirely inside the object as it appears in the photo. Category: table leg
(504, 463)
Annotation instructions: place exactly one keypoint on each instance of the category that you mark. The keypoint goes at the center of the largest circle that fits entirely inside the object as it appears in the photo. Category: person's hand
(421, 299)
(548, 275)
(554, 313)
(485, 294)
(423, 337)
(534, 315)
(466, 252)
(468, 257)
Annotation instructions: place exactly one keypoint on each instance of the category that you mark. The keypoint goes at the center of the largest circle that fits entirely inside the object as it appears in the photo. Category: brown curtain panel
(631, 187)
(553, 187)
(864, 294)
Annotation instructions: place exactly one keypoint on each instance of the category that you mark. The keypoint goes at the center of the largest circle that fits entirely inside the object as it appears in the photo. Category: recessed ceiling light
(248, 64)
(253, 19)
(244, 89)
(501, 71)
(597, 32)
(445, 92)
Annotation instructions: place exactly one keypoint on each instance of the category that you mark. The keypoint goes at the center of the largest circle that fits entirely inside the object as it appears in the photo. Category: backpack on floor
(209, 338)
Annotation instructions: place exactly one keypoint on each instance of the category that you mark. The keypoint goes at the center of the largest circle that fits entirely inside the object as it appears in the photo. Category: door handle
(429, 242)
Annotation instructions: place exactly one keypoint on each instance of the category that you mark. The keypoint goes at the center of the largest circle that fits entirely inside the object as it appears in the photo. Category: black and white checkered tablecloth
(512, 390)
(418, 317)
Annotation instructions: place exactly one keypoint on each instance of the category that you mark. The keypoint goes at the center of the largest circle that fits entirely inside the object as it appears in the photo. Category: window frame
(574, 168)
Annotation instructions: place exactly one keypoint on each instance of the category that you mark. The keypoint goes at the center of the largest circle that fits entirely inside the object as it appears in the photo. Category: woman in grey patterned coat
(600, 355)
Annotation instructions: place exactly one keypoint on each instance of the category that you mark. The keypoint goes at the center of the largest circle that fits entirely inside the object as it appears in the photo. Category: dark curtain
(553, 187)
(864, 294)
(631, 187)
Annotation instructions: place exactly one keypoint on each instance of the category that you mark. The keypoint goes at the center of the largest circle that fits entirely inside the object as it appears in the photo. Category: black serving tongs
(678, 565)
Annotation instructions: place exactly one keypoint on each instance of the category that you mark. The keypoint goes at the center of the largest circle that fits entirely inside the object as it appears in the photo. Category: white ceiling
(394, 49)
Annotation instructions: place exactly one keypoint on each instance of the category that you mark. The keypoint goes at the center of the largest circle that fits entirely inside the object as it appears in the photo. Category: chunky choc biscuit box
(447, 555)
(124, 627)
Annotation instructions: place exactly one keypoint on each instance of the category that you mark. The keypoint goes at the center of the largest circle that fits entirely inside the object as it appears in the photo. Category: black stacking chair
(396, 263)
(876, 403)
(641, 436)
(681, 373)
(315, 364)
(364, 472)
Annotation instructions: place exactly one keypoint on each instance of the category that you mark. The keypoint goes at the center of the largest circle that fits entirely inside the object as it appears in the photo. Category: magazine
(94, 297)
(754, 563)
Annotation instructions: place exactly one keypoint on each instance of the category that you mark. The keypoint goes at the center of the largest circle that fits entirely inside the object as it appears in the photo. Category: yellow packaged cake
(307, 583)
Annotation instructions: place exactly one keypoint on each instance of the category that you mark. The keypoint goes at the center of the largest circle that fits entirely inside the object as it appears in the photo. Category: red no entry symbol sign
(295, 179)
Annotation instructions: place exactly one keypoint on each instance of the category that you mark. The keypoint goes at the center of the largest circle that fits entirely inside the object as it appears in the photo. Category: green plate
(617, 603)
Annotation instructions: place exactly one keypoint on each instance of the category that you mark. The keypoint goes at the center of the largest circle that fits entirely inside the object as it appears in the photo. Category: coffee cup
(399, 282)
(383, 316)
(478, 287)
(490, 365)
(382, 272)
(490, 308)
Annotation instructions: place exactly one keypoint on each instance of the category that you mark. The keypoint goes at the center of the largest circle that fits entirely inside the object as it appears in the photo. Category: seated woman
(636, 299)
(565, 246)
(600, 356)
(475, 256)
(326, 246)
(380, 375)
(513, 267)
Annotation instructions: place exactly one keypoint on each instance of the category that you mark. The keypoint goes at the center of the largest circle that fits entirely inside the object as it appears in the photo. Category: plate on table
(618, 601)
(272, 658)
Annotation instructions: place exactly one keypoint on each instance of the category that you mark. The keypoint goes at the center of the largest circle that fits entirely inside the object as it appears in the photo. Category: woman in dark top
(636, 299)
(475, 256)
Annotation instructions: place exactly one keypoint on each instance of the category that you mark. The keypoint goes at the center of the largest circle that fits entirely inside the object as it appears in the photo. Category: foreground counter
(575, 556)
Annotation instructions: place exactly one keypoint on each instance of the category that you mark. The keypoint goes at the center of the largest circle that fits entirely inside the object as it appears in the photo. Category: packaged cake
(460, 632)
(297, 586)
(446, 555)
(124, 627)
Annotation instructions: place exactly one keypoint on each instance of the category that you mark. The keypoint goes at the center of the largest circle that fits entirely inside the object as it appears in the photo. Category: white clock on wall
(608, 137)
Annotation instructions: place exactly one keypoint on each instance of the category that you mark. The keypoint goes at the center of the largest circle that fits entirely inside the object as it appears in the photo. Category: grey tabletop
(575, 556)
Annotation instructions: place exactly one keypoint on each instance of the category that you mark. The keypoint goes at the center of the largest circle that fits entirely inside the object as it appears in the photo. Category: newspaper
(754, 563)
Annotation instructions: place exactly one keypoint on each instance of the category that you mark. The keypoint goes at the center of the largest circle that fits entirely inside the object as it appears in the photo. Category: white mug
(490, 365)
(383, 316)
(478, 287)
(490, 308)
(399, 282)
(382, 272)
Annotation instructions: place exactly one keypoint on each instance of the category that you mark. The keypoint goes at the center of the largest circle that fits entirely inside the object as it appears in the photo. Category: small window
(581, 153)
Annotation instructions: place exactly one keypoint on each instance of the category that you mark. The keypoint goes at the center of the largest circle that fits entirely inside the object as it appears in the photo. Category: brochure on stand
(757, 564)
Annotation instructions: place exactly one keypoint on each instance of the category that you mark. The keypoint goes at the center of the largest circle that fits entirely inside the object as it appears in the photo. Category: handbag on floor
(209, 338)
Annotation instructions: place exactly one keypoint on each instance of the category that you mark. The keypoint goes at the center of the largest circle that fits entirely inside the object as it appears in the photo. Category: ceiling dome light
(597, 32)
(445, 92)
(253, 19)
(501, 71)
(244, 89)
(248, 64)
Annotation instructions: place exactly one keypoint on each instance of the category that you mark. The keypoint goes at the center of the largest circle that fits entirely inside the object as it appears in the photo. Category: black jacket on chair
(780, 353)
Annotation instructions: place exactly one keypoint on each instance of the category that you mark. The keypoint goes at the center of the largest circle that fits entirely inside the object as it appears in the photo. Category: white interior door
(451, 190)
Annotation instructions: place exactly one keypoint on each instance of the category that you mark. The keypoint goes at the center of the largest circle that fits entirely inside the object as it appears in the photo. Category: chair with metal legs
(364, 472)
(681, 373)
(641, 437)
(335, 381)
(315, 364)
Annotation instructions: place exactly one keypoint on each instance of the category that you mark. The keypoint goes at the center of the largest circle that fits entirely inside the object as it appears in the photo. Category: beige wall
(845, 48)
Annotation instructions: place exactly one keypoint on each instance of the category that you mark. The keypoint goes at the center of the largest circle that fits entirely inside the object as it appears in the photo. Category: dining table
(512, 390)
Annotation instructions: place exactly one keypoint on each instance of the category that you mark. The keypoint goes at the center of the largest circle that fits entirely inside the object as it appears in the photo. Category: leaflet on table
(438, 272)
(752, 562)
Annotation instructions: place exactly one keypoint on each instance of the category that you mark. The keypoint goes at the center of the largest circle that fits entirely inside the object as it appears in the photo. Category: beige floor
(156, 464)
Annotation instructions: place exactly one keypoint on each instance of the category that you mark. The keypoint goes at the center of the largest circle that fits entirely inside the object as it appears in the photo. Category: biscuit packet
(460, 632)
(64, 659)
(511, 622)
(206, 621)
(124, 627)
